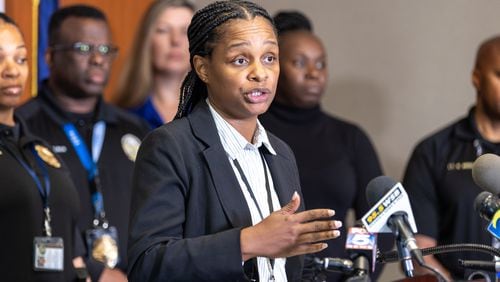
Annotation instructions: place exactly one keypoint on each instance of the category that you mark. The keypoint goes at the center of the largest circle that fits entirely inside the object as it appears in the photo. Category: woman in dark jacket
(215, 197)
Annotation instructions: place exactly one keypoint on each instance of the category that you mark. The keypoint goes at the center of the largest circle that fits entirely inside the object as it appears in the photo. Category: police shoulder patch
(130, 145)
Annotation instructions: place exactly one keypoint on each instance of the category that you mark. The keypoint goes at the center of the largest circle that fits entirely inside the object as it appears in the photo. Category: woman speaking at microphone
(215, 196)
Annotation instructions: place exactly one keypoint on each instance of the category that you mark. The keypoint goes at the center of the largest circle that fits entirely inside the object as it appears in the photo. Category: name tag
(48, 254)
(459, 166)
(59, 149)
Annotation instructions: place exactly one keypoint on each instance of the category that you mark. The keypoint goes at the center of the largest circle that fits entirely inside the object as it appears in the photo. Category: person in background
(97, 141)
(39, 204)
(159, 61)
(438, 176)
(336, 159)
(216, 197)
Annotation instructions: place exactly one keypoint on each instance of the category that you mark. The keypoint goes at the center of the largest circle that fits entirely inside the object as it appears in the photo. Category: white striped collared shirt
(250, 160)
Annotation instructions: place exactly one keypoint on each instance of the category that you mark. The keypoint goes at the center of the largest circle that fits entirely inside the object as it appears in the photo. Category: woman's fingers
(318, 236)
(307, 249)
(319, 225)
(315, 214)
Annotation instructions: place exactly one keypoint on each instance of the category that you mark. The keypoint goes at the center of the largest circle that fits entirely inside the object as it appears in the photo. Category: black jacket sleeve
(163, 190)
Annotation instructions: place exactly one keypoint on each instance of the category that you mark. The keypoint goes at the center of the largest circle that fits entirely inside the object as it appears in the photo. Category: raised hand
(285, 233)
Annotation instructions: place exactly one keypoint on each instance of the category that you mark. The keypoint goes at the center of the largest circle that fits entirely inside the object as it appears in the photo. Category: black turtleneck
(336, 160)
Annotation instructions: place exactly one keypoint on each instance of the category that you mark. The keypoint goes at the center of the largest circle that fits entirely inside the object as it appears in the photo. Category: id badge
(103, 245)
(48, 254)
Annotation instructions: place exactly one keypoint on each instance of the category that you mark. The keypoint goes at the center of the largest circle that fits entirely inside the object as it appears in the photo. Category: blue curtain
(45, 10)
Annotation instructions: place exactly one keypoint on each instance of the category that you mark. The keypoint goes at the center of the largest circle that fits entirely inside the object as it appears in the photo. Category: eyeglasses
(87, 49)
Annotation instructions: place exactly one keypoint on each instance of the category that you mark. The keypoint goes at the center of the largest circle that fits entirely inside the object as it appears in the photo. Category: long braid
(203, 33)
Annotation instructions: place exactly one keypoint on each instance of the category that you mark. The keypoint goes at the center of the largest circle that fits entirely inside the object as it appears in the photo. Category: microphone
(361, 247)
(488, 207)
(335, 264)
(391, 212)
(485, 173)
(344, 266)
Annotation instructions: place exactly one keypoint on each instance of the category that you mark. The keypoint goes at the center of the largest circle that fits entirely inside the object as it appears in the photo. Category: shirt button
(7, 132)
(81, 122)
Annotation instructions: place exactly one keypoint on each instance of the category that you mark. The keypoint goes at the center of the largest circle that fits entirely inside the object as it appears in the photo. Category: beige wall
(400, 69)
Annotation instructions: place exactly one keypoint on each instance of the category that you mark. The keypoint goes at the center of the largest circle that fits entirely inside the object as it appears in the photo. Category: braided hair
(291, 21)
(203, 33)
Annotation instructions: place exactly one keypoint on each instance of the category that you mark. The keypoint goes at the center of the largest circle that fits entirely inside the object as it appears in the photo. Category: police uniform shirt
(116, 162)
(21, 209)
(439, 182)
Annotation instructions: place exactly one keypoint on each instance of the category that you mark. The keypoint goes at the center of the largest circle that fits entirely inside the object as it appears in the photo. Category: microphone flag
(360, 241)
(395, 200)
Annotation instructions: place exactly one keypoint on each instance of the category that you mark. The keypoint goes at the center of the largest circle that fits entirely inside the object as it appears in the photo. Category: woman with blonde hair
(159, 60)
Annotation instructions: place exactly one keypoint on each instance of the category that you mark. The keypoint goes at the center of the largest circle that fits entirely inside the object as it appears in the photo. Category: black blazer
(188, 209)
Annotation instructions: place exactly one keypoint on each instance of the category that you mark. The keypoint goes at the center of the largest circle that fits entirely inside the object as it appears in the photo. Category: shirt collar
(233, 142)
(263, 139)
(19, 133)
(466, 129)
(10, 132)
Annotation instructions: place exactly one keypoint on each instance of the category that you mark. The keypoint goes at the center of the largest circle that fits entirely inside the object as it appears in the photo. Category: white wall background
(398, 68)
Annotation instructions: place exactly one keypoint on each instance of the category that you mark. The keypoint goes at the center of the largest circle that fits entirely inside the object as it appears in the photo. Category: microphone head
(388, 198)
(486, 173)
(361, 245)
(377, 188)
(486, 204)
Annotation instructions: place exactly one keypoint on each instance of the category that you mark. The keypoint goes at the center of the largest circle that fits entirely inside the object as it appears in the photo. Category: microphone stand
(357, 270)
(405, 256)
(394, 256)
(361, 270)
(495, 243)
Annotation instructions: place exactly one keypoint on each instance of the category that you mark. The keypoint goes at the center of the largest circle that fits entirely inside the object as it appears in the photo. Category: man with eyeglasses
(97, 141)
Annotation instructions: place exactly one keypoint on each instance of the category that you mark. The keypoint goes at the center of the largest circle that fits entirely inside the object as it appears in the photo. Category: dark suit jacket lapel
(282, 173)
(226, 183)
(227, 186)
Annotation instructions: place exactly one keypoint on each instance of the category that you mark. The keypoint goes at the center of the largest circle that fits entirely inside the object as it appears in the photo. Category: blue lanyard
(44, 190)
(90, 162)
